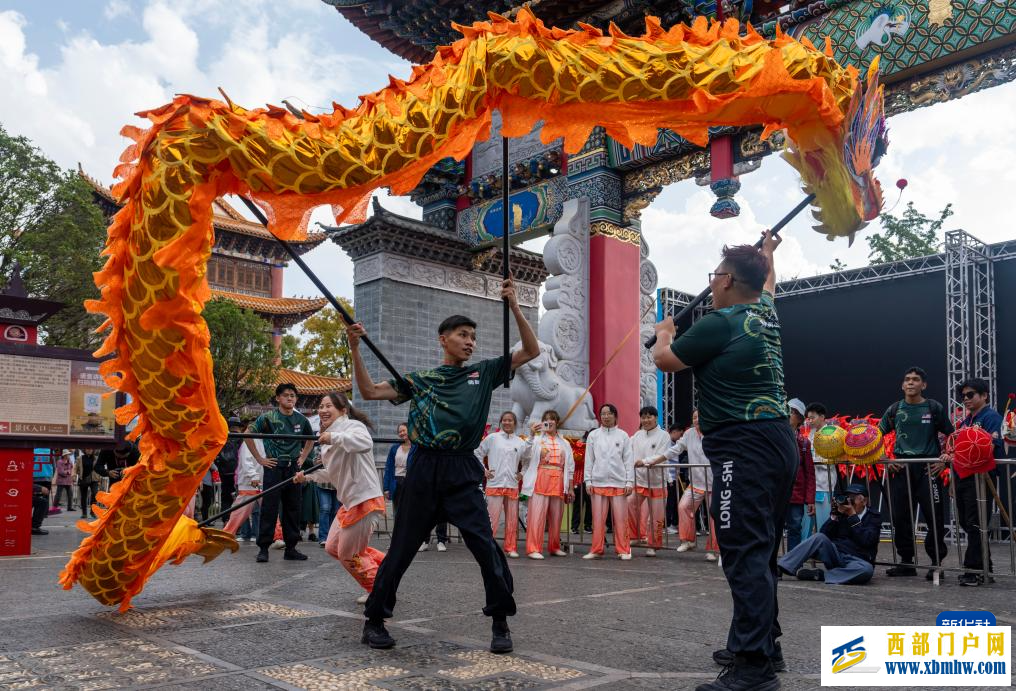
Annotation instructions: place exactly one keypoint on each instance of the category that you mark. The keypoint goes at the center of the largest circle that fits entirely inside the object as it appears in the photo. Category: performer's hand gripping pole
(697, 300)
(346, 316)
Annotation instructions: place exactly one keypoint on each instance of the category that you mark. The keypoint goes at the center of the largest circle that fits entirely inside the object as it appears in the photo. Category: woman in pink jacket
(347, 453)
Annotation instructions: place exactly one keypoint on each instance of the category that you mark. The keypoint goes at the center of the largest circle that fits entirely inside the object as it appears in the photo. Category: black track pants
(754, 465)
(443, 486)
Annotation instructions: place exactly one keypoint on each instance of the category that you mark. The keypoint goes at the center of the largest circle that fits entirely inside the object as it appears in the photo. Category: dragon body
(153, 285)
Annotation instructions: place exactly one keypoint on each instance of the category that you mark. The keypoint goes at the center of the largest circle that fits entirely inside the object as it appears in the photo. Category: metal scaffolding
(970, 313)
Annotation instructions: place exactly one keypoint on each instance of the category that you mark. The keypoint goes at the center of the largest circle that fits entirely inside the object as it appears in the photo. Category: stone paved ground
(235, 624)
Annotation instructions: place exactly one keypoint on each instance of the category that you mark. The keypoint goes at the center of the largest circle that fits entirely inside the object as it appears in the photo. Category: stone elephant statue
(537, 388)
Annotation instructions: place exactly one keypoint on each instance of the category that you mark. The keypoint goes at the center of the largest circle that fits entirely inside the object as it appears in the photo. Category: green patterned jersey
(285, 451)
(738, 362)
(450, 404)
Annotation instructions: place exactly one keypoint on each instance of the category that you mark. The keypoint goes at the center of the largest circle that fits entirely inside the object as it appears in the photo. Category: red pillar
(277, 280)
(614, 259)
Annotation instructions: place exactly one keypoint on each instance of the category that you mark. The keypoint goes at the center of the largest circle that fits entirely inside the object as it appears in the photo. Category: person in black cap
(847, 543)
(113, 463)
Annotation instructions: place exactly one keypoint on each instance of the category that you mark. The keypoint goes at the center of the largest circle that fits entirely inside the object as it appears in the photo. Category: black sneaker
(810, 575)
(971, 579)
(723, 657)
(262, 555)
(501, 638)
(741, 675)
(39, 531)
(292, 554)
(905, 569)
(376, 635)
(312, 537)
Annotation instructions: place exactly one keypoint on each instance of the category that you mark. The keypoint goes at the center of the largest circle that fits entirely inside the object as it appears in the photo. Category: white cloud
(116, 8)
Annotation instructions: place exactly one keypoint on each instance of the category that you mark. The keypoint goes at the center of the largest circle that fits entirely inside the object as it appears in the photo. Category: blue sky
(74, 72)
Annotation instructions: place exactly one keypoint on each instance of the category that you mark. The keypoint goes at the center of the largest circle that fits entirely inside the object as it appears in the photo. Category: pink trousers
(686, 508)
(544, 515)
(348, 544)
(240, 516)
(646, 518)
(619, 518)
(497, 505)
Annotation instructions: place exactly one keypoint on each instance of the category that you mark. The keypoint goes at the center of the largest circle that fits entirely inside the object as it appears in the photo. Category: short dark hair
(676, 427)
(918, 371)
(816, 408)
(978, 385)
(286, 386)
(453, 322)
(609, 406)
(552, 414)
(748, 266)
(649, 410)
(508, 412)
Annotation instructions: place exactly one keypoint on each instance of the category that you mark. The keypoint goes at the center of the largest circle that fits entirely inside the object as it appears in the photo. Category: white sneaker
(424, 547)
(278, 544)
(624, 557)
(671, 530)
(650, 552)
(559, 553)
(710, 556)
(513, 555)
(535, 555)
(686, 546)
(592, 555)
(441, 547)
(362, 600)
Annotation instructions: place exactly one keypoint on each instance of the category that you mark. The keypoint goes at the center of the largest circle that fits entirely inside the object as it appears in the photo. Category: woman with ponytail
(347, 453)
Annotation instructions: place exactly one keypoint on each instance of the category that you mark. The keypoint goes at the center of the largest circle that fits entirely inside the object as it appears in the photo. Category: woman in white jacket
(610, 478)
(248, 481)
(505, 452)
(548, 484)
(347, 453)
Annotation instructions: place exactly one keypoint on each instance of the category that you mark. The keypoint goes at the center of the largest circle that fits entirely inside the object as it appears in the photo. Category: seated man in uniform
(847, 543)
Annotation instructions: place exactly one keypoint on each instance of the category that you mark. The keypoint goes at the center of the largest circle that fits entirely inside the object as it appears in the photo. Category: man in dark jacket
(226, 463)
(847, 543)
(113, 463)
(802, 499)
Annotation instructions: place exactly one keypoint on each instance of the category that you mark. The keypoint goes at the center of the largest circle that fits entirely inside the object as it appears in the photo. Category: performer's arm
(769, 245)
(530, 346)
(369, 390)
(663, 356)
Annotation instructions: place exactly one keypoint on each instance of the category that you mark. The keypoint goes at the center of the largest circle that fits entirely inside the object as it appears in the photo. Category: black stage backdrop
(848, 347)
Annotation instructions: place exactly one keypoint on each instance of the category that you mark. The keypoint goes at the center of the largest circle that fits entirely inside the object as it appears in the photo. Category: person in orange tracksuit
(647, 505)
(548, 483)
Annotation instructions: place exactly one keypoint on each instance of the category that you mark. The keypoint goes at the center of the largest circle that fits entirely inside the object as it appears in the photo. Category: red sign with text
(15, 501)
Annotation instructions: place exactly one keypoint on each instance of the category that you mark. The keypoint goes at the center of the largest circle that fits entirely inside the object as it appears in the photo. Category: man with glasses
(974, 393)
(917, 422)
(737, 358)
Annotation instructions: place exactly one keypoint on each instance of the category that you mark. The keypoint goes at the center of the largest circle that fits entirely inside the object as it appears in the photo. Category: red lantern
(972, 450)
(901, 183)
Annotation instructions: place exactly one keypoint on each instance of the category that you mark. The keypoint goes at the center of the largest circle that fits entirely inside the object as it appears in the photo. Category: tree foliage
(51, 226)
(904, 237)
(837, 265)
(289, 351)
(243, 357)
(325, 351)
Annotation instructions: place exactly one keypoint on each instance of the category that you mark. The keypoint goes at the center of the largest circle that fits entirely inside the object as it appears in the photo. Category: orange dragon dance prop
(154, 285)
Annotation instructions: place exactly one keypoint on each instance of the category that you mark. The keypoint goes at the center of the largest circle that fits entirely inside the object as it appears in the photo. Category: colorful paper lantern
(829, 442)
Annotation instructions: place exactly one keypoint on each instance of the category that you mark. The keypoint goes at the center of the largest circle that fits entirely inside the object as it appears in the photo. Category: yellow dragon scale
(154, 286)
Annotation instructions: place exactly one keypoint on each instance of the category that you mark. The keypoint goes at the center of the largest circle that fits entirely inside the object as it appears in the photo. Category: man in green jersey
(284, 458)
(447, 416)
(917, 422)
(736, 354)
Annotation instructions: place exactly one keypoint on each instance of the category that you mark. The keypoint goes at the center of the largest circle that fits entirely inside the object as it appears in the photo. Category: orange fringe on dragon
(154, 285)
